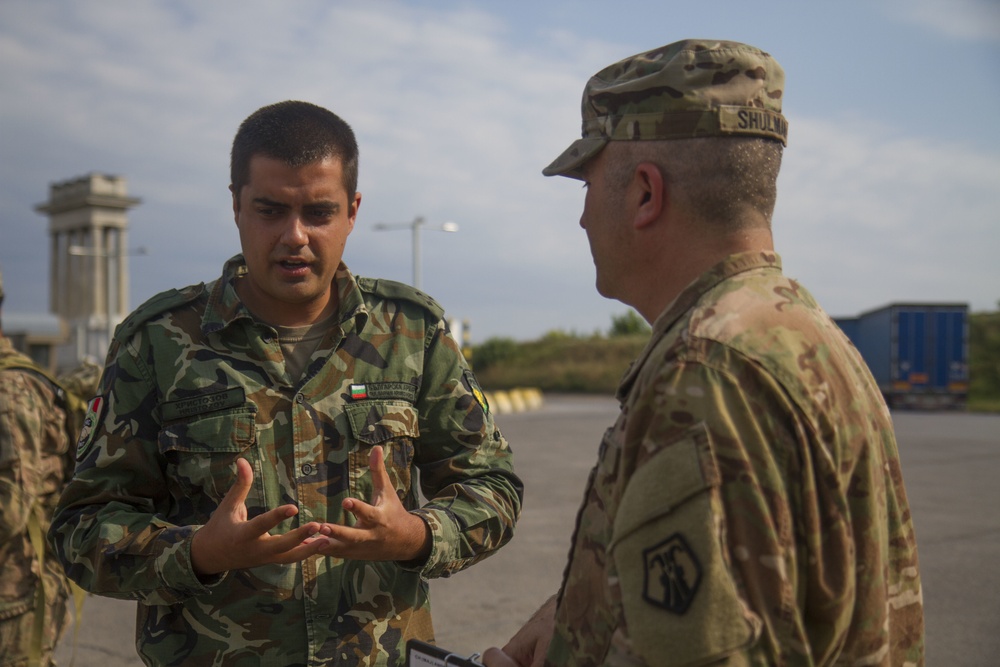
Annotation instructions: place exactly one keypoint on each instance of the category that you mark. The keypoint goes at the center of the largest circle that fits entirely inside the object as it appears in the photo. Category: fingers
(237, 493)
(383, 530)
(494, 657)
(296, 555)
(209, 552)
(261, 525)
(295, 545)
(531, 643)
(229, 541)
(291, 547)
(380, 477)
(367, 515)
(344, 537)
(271, 519)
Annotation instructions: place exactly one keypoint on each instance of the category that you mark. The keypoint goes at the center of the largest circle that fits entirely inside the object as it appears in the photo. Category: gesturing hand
(229, 542)
(384, 530)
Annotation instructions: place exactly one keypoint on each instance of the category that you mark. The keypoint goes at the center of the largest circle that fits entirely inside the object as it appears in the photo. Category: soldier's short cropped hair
(298, 133)
(723, 181)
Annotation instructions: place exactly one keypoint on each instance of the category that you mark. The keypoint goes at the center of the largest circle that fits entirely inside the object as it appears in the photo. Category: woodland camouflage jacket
(192, 383)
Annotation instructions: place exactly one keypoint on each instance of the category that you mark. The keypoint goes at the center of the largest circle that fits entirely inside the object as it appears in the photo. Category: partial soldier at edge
(39, 424)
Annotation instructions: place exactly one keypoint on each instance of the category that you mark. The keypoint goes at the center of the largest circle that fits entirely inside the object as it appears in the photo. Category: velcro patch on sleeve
(678, 592)
(477, 391)
(95, 413)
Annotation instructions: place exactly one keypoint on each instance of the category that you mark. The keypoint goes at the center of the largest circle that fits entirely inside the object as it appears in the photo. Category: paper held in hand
(422, 654)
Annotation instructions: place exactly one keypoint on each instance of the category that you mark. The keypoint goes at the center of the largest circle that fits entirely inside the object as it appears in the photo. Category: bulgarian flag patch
(359, 391)
(95, 412)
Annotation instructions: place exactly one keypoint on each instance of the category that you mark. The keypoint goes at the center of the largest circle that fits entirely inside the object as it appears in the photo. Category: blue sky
(890, 188)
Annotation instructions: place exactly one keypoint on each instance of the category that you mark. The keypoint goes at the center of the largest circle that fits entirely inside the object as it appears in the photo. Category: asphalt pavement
(951, 464)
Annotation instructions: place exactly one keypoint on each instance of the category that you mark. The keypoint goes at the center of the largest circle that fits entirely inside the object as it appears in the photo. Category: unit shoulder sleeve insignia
(477, 392)
(95, 413)
(672, 574)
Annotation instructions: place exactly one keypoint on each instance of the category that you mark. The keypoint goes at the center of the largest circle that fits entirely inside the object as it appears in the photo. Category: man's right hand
(229, 542)
(528, 647)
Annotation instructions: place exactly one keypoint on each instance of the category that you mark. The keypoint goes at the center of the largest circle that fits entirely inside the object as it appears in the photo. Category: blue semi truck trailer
(918, 352)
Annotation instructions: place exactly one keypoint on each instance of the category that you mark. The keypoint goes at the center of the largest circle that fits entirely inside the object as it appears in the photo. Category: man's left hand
(385, 530)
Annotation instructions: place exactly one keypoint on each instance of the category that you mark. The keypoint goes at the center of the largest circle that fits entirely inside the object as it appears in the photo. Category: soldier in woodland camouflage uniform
(36, 461)
(248, 470)
(747, 507)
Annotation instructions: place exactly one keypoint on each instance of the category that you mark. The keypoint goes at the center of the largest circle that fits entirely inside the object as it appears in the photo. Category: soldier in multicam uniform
(248, 472)
(36, 461)
(748, 506)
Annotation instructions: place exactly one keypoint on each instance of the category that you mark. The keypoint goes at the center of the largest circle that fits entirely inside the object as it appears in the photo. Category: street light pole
(415, 226)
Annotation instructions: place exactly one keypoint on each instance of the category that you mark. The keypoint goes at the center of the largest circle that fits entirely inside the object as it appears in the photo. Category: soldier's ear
(236, 204)
(647, 182)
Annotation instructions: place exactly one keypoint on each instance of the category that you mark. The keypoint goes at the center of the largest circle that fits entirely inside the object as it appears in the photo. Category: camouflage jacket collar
(692, 294)
(11, 357)
(225, 306)
(7, 348)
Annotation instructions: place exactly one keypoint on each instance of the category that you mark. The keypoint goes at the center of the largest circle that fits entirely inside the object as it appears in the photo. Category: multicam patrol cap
(693, 88)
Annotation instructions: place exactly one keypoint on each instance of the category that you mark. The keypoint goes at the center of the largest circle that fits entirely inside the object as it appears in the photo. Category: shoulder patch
(160, 303)
(391, 289)
(95, 412)
(473, 386)
(672, 574)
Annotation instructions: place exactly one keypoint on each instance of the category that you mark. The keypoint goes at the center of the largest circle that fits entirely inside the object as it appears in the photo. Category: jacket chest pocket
(201, 456)
(393, 426)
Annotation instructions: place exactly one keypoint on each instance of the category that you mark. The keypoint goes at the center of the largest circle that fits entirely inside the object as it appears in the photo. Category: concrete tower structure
(89, 281)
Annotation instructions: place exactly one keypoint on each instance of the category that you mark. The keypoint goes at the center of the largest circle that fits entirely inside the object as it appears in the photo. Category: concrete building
(88, 265)
(38, 335)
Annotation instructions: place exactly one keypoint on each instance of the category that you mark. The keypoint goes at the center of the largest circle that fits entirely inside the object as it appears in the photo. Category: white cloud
(456, 113)
(156, 94)
(961, 19)
(869, 218)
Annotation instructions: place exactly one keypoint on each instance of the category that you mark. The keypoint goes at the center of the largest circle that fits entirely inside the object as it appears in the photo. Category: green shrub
(558, 363)
(564, 362)
(984, 361)
(493, 351)
(629, 324)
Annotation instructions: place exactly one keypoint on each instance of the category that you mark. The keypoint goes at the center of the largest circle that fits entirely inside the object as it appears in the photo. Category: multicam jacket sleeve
(748, 505)
(24, 426)
(193, 383)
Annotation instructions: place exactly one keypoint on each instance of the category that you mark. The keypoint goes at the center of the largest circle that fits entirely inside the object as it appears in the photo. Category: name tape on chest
(401, 391)
(196, 405)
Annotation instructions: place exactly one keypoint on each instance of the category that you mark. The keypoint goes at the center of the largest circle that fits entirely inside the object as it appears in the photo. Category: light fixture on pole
(417, 224)
(109, 257)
